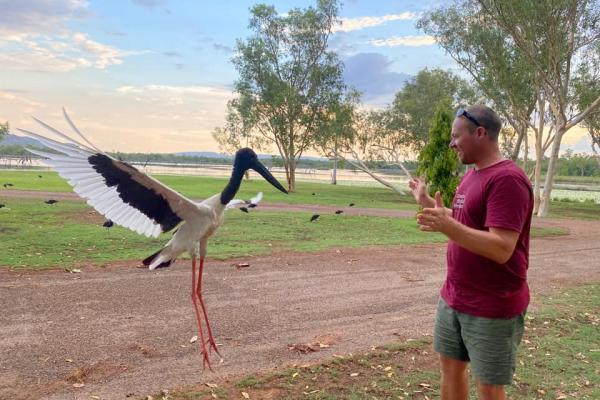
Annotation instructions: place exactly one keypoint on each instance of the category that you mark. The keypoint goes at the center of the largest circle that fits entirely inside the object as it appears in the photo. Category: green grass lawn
(197, 187)
(575, 210)
(558, 359)
(36, 235)
(325, 194)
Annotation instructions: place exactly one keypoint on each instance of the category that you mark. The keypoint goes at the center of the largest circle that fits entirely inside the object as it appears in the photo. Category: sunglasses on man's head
(464, 113)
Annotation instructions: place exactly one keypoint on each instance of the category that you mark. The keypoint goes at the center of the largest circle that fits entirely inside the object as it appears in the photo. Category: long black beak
(261, 169)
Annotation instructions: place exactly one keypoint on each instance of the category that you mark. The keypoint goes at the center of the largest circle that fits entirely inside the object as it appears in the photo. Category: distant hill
(212, 154)
(14, 140)
(208, 154)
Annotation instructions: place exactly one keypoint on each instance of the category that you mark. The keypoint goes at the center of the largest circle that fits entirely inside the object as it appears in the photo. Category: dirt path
(125, 331)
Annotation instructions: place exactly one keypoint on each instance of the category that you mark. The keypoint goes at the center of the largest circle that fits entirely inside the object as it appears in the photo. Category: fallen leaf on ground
(246, 395)
(194, 339)
(411, 279)
(302, 348)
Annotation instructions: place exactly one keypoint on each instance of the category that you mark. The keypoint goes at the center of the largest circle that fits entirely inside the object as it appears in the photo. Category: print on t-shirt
(459, 201)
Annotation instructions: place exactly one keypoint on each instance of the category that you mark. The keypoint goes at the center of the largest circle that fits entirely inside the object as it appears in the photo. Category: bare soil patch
(126, 330)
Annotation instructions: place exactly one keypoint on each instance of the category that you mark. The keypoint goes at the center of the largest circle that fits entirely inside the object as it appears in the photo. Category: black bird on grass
(108, 223)
(39, 176)
(351, 205)
(314, 217)
(7, 185)
(2, 205)
(339, 212)
(51, 201)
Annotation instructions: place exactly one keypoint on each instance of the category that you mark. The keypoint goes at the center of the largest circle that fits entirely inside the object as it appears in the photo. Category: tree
(437, 162)
(587, 87)
(555, 37)
(3, 130)
(337, 132)
(414, 106)
(491, 58)
(500, 69)
(288, 81)
(372, 140)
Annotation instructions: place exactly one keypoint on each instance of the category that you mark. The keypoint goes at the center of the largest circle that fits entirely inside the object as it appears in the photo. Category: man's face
(463, 140)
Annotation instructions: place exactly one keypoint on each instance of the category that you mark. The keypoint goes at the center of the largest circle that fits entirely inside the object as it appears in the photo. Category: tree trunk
(539, 155)
(291, 175)
(596, 153)
(549, 181)
(526, 151)
(515, 153)
(334, 171)
(537, 175)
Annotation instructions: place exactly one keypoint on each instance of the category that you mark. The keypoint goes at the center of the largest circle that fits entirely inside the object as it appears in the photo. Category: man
(481, 311)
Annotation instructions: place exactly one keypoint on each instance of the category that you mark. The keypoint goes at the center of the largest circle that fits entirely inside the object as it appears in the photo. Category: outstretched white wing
(116, 189)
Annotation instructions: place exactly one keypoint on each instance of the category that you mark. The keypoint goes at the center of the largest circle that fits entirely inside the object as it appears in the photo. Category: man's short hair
(487, 118)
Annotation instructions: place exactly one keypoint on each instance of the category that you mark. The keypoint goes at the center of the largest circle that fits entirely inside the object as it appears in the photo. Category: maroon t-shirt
(499, 196)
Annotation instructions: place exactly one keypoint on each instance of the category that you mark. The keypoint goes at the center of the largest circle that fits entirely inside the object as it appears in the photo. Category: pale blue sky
(155, 75)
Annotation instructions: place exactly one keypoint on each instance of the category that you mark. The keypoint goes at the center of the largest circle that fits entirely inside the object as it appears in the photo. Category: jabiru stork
(137, 201)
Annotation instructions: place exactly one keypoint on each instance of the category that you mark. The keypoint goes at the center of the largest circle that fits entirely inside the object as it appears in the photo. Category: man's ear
(481, 131)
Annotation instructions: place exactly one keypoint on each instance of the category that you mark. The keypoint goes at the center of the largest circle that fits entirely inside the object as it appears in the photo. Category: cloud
(176, 95)
(410, 41)
(355, 24)
(150, 4)
(34, 37)
(10, 96)
(59, 53)
(38, 16)
(222, 48)
(371, 74)
(171, 54)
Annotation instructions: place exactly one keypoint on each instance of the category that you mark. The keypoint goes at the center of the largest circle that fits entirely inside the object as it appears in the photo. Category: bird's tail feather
(161, 259)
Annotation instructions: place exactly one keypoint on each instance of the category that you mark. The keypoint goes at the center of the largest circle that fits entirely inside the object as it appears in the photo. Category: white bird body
(139, 202)
(192, 233)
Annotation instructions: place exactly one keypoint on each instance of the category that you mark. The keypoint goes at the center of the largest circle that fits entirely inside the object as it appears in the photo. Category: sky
(156, 75)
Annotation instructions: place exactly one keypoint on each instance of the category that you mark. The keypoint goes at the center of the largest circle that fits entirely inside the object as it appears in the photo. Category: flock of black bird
(337, 212)
(108, 223)
(312, 219)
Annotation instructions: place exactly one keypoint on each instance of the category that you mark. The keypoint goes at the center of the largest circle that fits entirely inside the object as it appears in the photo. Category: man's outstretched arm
(496, 244)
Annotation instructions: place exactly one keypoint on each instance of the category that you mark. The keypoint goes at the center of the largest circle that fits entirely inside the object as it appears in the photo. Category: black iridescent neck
(234, 184)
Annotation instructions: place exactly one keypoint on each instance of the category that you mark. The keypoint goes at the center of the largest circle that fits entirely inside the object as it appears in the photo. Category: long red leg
(205, 359)
(211, 340)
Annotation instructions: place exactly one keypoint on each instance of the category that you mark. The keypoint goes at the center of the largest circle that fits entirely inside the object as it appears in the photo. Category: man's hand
(496, 244)
(418, 188)
(437, 218)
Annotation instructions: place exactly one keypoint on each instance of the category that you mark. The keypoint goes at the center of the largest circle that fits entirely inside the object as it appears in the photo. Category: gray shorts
(490, 344)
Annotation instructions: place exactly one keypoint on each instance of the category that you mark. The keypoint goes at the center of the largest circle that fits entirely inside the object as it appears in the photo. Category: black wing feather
(146, 200)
